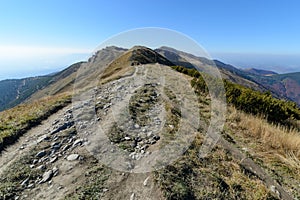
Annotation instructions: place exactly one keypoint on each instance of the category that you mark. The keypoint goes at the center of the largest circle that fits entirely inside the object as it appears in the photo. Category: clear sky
(43, 36)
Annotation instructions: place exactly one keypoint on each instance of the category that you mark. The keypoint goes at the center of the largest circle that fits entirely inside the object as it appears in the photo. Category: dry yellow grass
(15, 121)
(270, 139)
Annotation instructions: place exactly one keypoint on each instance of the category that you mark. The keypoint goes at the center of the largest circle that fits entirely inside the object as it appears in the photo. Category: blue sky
(39, 37)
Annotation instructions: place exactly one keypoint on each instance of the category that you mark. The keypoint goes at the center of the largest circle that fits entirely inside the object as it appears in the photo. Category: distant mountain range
(13, 92)
(260, 72)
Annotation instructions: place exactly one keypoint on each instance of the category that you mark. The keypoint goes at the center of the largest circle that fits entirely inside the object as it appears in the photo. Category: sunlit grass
(15, 121)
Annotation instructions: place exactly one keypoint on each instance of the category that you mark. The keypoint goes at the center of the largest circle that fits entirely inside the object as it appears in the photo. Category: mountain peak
(143, 55)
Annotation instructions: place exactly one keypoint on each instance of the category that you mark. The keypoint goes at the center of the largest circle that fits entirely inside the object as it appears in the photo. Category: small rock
(30, 185)
(25, 182)
(54, 143)
(55, 122)
(41, 167)
(133, 144)
(273, 188)
(41, 154)
(53, 159)
(55, 171)
(152, 141)
(70, 140)
(66, 147)
(105, 189)
(245, 149)
(138, 157)
(35, 161)
(72, 157)
(132, 196)
(55, 138)
(46, 138)
(44, 159)
(146, 181)
(77, 142)
(127, 138)
(47, 176)
(132, 154)
(156, 137)
(150, 134)
(136, 126)
(56, 147)
(144, 147)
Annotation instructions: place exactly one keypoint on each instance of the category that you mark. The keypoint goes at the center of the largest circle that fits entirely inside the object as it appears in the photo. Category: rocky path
(54, 151)
(58, 154)
(27, 141)
(136, 115)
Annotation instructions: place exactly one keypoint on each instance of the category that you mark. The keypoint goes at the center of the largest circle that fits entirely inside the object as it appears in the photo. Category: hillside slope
(139, 106)
(285, 85)
(14, 92)
(227, 71)
(260, 72)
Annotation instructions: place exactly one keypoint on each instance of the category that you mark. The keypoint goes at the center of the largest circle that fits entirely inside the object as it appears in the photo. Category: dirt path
(133, 186)
(28, 140)
(120, 185)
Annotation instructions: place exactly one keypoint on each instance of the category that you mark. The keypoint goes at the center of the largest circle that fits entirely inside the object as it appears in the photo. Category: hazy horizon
(278, 63)
(39, 37)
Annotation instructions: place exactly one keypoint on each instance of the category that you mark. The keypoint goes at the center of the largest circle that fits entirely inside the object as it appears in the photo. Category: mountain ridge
(142, 105)
(260, 72)
(285, 86)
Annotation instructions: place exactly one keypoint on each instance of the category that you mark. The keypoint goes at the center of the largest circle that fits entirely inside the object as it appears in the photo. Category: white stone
(132, 197)
(146, 181)
(72, 157)
(127, 138)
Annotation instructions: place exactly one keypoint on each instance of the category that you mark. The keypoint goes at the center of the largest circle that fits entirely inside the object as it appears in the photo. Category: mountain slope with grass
(285, 85)
(227, 71)
(14, 92)
(137, 96)
(260, 72)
